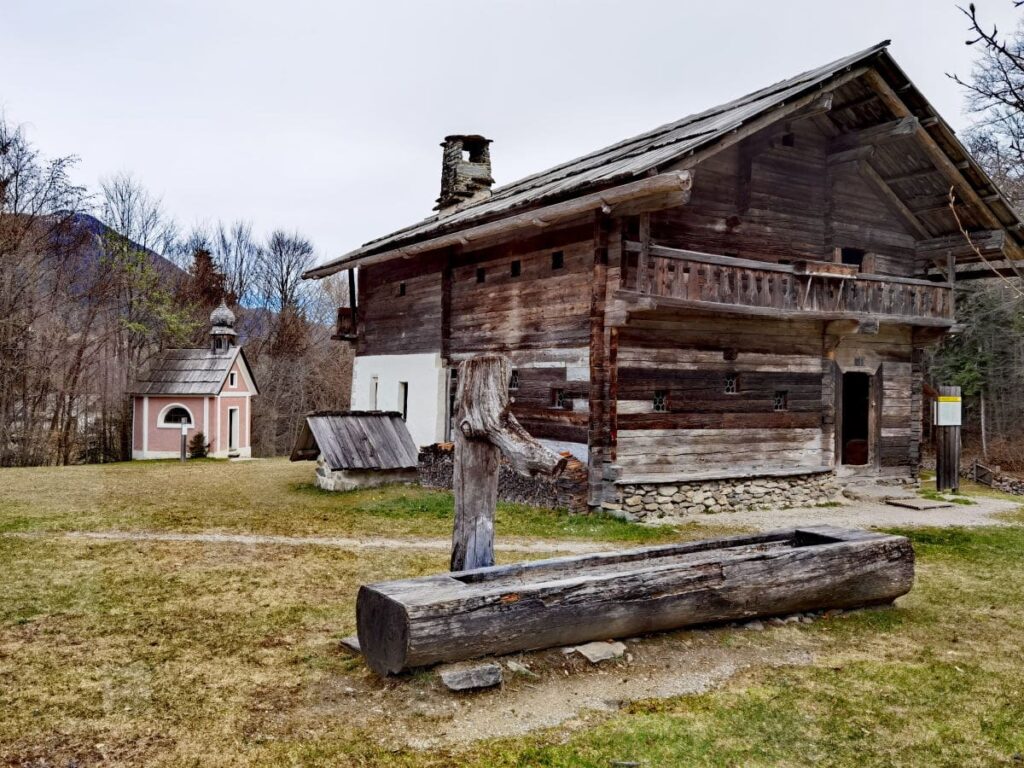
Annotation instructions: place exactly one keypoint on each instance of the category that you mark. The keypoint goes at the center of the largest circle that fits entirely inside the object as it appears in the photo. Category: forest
(985, 354)
(93, 283)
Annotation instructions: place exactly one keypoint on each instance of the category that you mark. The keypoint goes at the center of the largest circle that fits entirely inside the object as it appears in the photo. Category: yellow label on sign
(949, 399)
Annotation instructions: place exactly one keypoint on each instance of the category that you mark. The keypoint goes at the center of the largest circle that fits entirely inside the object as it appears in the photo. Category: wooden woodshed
(357, 449)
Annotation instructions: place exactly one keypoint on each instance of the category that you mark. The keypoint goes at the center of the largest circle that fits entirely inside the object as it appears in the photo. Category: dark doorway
(856, 417)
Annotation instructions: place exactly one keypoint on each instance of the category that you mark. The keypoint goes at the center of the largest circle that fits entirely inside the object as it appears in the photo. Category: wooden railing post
(486, 430)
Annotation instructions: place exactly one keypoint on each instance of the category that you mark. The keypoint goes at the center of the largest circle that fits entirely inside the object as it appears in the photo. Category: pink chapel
(210, 389)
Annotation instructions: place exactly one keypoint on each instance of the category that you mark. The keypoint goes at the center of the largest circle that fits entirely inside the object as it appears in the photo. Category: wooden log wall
(768, 198)
(539, 318)
(396, 320)
(704, 428)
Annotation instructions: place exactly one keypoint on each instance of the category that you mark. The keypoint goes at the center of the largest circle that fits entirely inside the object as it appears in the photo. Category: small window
(401, 289)
(732, 384)
(233, 379)
(561, 400)
(852, 256)
(517, 268)
(513, 380)
(374, 386)
(403, 399)
(780, 401)
(660, 400)
(174, 416)
(481, 274)
(557, 259)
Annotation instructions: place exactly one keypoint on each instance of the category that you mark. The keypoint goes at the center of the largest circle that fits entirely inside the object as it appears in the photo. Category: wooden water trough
(563, 601)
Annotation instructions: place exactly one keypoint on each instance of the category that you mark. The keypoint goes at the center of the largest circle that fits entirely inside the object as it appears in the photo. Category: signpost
(184, 437)
(947, 419)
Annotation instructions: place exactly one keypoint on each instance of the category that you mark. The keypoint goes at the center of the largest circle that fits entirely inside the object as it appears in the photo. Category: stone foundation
(567, 491)
(650, 502)
(351, 479)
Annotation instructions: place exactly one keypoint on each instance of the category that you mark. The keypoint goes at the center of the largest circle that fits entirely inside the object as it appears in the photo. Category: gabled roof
(190, 372)
(642, 155)
(357, 440)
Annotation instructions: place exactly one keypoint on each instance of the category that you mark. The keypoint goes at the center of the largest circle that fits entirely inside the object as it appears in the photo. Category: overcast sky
(326, 116)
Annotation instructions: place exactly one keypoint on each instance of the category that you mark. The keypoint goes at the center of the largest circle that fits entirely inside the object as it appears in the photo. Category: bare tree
(282, 261)
(995, 95)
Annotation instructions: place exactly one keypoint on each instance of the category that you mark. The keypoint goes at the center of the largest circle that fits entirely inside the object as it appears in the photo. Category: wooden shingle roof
(188, 372)
(624, 161)
(357, 440)
(662, 148)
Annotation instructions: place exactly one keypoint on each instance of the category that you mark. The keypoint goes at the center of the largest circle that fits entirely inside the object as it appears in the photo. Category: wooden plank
(562, 601)
(874, 135)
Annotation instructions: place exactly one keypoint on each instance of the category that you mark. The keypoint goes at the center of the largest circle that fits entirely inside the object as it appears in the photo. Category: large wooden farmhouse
(742, 294)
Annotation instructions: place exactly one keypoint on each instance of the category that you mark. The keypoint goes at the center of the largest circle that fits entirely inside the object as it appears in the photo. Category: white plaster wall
(426, 377)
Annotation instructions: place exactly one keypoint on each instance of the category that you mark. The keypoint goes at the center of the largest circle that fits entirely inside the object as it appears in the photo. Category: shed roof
(639, 156)
(357, 440)
(188, 372)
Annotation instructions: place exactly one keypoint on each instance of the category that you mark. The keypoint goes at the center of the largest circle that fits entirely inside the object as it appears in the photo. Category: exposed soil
(415, 710)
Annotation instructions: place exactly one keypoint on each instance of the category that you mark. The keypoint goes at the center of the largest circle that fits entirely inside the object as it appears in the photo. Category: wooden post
(947, 439)
(486, 430)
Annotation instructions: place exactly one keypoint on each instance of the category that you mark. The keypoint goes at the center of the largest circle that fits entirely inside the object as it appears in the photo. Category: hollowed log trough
(564, 601)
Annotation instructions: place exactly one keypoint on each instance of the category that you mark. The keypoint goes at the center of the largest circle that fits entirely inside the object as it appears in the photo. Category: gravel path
(568, 547)
(868, 514)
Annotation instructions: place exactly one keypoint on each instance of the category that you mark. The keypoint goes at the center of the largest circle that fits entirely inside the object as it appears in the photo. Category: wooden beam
(893, 201)
(875, 135)
(597, 427)
(989, 242)
(952, 170)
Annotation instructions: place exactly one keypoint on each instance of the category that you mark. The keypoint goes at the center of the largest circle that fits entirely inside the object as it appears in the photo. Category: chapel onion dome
(222, 315)
(222, 321)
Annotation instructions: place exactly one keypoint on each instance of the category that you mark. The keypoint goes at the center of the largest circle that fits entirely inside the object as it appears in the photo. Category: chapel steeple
(222, 329)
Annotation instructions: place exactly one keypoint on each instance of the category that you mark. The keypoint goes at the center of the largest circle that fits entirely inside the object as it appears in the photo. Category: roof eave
(677, 183)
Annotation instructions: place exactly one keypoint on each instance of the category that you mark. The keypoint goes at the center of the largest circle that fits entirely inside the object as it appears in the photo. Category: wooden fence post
(486, 429)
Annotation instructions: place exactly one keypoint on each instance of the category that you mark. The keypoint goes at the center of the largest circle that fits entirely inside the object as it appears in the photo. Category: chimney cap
(464, 137)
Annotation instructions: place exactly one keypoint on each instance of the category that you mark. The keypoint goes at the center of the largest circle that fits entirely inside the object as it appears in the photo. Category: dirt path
(541, 547)
(868, 514)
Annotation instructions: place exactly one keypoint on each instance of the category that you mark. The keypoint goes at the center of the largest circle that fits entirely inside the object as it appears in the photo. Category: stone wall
(351, 479)
(650, 502)
(1000, 482)
(567, 491)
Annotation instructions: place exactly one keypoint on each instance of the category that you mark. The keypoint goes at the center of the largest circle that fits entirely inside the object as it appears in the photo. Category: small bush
(198, 448)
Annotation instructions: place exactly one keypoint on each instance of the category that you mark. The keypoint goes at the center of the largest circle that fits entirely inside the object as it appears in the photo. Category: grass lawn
(187, 654)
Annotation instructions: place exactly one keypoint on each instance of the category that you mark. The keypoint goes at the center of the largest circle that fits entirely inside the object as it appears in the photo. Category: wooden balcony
(347, 328)
(666, 278)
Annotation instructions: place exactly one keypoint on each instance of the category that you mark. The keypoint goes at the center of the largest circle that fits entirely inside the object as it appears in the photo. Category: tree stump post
(486, 430)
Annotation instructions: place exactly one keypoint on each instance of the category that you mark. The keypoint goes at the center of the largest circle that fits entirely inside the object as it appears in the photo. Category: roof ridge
(611, 163)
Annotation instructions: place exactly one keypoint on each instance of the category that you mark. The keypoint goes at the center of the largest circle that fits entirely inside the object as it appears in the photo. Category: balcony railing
(670, 277)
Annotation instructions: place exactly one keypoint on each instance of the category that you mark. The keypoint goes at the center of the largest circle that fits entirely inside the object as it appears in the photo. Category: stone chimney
(465, 171)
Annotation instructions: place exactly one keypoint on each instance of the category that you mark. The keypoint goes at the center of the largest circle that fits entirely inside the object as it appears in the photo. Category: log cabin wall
(530, 300)
(696, 397)
(773, 197)
(400, 307)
